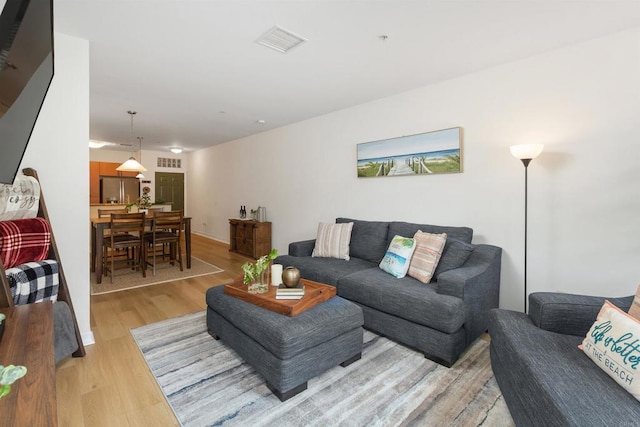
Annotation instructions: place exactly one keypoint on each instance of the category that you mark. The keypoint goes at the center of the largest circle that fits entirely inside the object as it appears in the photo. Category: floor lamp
(526, 153)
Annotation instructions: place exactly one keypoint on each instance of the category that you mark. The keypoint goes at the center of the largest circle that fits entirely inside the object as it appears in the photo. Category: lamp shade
(131, 165)
(526, 151)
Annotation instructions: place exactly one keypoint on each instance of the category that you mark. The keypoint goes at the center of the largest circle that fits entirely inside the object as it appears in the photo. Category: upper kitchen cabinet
(94, 182)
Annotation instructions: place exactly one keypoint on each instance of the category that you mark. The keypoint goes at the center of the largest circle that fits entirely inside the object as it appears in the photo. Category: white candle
(276, 274)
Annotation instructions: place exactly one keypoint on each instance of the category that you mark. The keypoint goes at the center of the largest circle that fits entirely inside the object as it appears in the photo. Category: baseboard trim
(88, 338)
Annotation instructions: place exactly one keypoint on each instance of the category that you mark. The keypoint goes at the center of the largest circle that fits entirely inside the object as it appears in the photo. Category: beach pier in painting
(421, 154)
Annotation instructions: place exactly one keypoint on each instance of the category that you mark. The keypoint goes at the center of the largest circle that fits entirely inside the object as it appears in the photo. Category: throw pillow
(333, 240)
(634, 310)
(613, 343)
(455, 254)
(425, 258)
(398, 257)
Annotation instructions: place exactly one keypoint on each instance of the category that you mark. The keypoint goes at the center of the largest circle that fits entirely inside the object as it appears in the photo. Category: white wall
(59, 153)
(582, 102)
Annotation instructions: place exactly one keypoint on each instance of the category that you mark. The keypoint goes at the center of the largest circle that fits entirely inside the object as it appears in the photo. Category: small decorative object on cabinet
(249, 238)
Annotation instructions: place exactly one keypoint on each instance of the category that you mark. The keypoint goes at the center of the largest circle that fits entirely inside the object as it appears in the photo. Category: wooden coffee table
(314, 294)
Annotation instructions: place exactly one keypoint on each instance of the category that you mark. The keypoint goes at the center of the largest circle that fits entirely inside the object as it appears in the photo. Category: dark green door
(170, 188)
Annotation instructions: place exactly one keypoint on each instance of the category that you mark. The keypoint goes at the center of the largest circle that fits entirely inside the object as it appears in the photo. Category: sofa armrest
(569, 314)
(483, 266)
(477, 283)
(302, 248)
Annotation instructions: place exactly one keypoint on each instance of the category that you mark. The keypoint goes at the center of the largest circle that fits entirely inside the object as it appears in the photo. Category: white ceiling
(195, 75)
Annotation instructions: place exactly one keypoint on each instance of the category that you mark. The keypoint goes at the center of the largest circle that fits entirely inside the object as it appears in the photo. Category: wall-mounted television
(26, 71)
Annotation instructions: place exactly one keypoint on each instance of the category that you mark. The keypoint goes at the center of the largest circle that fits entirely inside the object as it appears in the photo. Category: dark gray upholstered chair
(544, 378)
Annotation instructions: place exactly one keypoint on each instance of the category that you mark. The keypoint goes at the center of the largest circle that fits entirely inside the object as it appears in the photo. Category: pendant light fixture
(132, 164)
(140, 176)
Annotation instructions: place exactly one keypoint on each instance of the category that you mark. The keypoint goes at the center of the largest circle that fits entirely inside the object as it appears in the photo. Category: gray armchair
(544, 378)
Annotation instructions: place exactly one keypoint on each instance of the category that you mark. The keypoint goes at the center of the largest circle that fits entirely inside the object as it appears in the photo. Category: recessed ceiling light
(99, 144)
(176, 150)
(280, 39)
(261, 122)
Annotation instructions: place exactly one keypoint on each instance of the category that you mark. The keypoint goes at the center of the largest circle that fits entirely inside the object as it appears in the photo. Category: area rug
(128, 279)
(207, 384)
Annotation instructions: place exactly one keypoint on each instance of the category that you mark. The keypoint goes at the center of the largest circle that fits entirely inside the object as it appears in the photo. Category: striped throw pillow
(425, 258)
(333, 240)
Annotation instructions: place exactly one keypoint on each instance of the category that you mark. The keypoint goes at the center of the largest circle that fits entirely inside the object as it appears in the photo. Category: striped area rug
(207, 384)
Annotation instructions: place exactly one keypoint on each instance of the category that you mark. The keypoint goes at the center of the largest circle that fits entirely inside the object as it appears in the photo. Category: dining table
(100, 225)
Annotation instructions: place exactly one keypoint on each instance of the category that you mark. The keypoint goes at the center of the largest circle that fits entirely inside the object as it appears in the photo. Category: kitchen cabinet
(250, 238)
(94, 182)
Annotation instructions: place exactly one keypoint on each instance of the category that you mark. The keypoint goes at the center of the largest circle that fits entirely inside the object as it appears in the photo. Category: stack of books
(290, 293)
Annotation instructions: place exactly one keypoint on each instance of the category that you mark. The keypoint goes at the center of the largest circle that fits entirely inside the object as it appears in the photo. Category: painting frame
(427, 153)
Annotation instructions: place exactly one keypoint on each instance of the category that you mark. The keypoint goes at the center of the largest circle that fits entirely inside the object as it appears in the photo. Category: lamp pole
(526, 153)
(525, 162)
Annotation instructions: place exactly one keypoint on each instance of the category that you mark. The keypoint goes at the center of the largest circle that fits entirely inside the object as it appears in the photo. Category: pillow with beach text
(612, 343)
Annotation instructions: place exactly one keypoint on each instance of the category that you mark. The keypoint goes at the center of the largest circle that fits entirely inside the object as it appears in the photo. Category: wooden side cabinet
(249, 238)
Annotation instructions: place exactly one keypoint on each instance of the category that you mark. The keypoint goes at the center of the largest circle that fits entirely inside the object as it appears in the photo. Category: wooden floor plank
(112, 385)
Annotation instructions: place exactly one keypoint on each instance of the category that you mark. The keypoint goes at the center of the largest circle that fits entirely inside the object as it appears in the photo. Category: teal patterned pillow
(398, 257)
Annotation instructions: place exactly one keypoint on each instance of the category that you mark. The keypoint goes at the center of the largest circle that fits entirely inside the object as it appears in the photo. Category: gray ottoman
(287, 351)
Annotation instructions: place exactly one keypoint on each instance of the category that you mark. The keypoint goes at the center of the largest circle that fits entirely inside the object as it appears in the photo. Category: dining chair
(103, 213)
(152, 211)
(126, 232)
(165, 231)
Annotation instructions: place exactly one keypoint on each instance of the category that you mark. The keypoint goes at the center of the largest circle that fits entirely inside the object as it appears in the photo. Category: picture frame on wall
(428, 153)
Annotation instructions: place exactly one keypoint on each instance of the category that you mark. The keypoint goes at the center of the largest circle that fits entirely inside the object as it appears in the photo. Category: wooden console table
(28, 341)
(249, 238)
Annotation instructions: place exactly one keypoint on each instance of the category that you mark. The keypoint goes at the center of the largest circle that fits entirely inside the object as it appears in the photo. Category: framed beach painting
(422, 154)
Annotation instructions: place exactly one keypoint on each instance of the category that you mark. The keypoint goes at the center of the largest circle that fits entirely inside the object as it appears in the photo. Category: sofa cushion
(398, 257)
(332, 241)
(406, 298)
(464, 234)
(454, 255)
(425, 258)
(612, 344)
(368, 239)
(324, 270)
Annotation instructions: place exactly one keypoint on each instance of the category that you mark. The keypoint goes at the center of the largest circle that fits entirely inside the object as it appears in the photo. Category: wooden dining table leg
(187, 240)
(99, 240)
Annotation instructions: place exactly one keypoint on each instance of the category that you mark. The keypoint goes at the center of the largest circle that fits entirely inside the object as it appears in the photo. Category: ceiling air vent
(280, 39)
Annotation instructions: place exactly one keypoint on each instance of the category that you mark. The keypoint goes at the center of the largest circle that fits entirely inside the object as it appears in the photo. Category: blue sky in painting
(441, 140)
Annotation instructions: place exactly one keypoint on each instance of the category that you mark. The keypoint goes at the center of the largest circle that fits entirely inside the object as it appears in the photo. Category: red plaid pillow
(24, 240)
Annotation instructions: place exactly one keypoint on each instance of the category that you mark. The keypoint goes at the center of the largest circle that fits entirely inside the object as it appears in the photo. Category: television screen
(26, 71)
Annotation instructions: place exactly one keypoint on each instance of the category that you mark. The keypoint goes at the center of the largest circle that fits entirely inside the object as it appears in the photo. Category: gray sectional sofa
(544, 378)
(439, 319)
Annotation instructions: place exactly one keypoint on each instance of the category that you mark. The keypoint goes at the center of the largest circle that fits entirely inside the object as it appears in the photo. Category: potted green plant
(9, 375)
(143, 202)
(254, 274)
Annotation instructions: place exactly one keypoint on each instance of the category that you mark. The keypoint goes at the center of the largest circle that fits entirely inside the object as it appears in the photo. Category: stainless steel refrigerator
(115, 189)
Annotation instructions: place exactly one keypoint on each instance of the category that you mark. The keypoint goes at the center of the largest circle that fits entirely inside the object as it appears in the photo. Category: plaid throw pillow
(24, 240)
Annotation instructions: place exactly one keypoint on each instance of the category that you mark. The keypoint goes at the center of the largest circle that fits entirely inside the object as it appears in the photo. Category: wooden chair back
(125, 224)
(103, 213)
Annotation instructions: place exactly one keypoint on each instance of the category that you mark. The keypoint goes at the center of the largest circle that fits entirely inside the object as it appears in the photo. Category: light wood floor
(112, 385)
